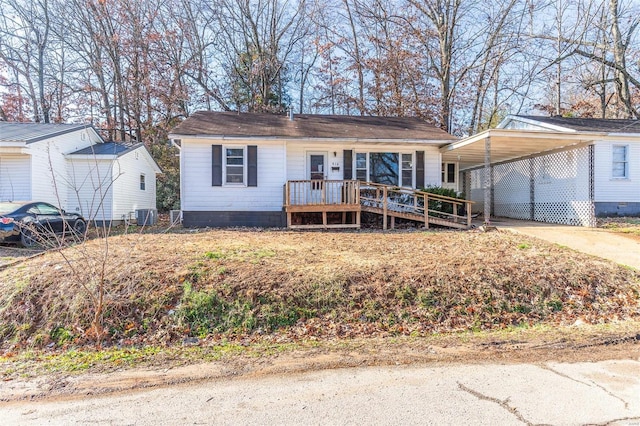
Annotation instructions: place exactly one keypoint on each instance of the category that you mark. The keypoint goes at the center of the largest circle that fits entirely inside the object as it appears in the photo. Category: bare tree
(24, 43)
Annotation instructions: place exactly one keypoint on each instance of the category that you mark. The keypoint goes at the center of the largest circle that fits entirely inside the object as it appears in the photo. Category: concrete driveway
(597, 242)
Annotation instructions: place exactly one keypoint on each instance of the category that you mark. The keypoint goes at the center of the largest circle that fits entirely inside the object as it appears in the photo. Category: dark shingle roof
(590, 124)
(308, 126)
(107, 148)
(34, 132)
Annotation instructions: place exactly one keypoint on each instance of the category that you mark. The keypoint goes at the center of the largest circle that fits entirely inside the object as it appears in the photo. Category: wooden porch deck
(339, 203)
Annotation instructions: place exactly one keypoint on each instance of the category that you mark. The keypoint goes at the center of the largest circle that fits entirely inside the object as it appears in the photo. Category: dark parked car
(31, 223)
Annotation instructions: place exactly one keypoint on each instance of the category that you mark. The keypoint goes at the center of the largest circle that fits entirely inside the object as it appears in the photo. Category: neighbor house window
(361, 166)
(620, 163)
(143, 185)
(234, 165)
(383, 168)
(407, 170)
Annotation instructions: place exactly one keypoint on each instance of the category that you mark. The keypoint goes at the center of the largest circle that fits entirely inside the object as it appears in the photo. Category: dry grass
(628, 226)
(284, 286)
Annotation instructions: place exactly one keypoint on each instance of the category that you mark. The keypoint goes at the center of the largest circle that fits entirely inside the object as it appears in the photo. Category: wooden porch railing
(306, 197)
(410, 204)
(332, 196)
(322, 192)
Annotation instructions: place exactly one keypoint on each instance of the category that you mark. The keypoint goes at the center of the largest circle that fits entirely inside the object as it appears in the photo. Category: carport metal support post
(487, 180)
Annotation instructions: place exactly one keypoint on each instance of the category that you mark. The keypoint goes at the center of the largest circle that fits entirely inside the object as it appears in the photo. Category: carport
(515, 159)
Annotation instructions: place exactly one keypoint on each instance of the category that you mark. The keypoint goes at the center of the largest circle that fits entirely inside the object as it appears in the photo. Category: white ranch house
(72, 167)
(263, 170)
(240, 169)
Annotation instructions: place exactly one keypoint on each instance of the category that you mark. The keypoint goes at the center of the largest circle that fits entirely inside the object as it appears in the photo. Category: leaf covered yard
(286, 286)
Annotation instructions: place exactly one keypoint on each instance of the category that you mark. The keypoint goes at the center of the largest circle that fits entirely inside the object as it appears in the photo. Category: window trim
(143, 182)
(625, 162)
(244, 165)
(367, 169)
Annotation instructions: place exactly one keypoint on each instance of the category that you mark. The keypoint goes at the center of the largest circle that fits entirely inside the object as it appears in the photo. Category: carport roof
(512, 144)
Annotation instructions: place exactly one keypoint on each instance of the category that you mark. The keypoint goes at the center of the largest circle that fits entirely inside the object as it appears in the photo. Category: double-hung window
(361, 166)
(620, 162)
(234, 165)
(448, 173)
(407, 170)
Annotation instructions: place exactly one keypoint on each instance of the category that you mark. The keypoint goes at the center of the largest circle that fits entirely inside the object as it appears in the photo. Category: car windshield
(9, 207)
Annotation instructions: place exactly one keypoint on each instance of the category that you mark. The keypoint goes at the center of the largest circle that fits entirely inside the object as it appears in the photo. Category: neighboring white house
(69, 165)
(234, 166)
(552, 169)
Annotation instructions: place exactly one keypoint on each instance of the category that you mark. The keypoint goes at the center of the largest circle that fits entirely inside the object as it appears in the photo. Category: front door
(317, 173)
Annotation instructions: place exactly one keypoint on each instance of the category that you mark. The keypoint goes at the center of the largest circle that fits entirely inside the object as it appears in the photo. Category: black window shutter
(252, 162)
(216, 165)
(347, 156)
(419, 169)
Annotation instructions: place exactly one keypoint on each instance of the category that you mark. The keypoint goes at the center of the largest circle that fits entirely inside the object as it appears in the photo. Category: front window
(143, 184)
(407, 170)
(234, 165)
(361, 166)
(620, 164)
(383, 168)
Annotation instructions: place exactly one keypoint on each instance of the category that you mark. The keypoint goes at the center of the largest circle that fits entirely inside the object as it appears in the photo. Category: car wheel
(79, 227)
(27, 238)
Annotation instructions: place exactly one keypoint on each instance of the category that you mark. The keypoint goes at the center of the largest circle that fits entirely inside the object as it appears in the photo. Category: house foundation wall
(259, 219)
(617, 209)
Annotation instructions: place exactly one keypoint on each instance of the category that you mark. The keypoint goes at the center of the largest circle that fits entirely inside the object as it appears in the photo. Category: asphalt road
(557, 394)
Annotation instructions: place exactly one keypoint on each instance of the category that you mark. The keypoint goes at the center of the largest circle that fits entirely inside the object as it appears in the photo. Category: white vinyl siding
(609, 188)
(90, 188)
(198, 194)
(49, 174)
(127, 196)
(15, 178)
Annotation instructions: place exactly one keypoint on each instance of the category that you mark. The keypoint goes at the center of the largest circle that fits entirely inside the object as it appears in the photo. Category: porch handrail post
(287, 200)
(426, 210)
(384, 208)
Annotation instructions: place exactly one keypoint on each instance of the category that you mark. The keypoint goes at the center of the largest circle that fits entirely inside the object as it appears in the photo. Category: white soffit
(511, 144)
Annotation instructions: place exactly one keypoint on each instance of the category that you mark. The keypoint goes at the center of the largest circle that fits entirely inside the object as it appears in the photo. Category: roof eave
(313, 139)
(60, 133)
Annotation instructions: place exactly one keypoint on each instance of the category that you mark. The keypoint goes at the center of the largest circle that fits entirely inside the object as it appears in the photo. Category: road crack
(590, 383)
(614, 421)
(504, 404)
(546, 367)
